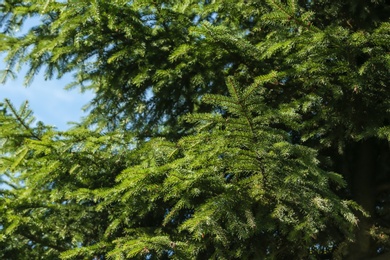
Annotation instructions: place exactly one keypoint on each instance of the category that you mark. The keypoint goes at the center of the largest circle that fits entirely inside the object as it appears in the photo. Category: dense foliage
(219, 130)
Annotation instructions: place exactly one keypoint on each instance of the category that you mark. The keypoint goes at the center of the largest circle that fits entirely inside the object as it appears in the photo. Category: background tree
(314, 82)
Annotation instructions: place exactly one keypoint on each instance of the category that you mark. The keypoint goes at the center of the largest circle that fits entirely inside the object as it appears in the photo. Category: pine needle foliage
(48, 207)
(219, 130)
(236, 189)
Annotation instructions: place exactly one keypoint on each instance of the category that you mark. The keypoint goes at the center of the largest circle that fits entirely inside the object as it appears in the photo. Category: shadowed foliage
(219, 130)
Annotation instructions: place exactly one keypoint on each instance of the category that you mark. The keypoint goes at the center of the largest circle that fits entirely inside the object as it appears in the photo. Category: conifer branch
(293, 17)
(243, 108)
(38, 239)
(20, 120)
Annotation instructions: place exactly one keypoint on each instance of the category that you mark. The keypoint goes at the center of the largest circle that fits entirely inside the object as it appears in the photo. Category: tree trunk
(363, 192)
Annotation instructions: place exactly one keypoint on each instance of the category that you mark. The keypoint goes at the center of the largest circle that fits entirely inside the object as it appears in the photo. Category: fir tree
(219, 129)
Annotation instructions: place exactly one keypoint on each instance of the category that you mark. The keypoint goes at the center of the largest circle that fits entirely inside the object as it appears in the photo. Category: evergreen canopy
(219, 130)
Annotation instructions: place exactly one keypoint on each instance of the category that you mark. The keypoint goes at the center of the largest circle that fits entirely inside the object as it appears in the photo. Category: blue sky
(51, 103)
